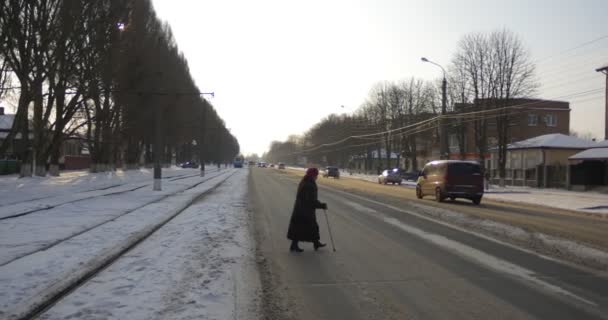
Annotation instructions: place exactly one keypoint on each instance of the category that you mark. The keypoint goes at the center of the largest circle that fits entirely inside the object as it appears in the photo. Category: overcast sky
(278, 67)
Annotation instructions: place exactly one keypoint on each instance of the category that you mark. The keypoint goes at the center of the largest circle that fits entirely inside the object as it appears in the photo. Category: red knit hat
(312, 172)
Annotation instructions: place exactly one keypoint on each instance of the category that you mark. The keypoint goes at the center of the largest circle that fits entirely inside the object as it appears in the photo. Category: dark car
(281, 165)
(410, 175)
(331, 172)
(189, 164)
(390, 176)
(451, 179)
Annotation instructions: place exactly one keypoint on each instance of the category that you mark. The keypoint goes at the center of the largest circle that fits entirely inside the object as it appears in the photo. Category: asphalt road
(391, 264)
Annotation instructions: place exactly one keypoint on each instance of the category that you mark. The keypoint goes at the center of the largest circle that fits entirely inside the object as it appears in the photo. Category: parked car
(390, 176)
(331, 172)
(189, 164)
(451, 179)
(263, 164)
(281, 165)
(272, 165)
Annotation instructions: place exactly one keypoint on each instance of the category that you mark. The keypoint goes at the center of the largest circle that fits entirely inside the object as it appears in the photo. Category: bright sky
(278, 67)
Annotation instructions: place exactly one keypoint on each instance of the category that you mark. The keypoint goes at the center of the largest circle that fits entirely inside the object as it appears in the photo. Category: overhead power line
(493, 111)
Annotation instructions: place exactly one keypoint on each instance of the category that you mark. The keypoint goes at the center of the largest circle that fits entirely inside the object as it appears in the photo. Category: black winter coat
(303, 225)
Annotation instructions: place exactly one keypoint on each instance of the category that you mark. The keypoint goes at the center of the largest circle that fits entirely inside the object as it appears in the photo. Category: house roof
(591, 154)
(601, 144)
(552, 141)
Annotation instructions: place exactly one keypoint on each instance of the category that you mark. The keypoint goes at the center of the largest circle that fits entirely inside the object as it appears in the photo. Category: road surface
(391, 264)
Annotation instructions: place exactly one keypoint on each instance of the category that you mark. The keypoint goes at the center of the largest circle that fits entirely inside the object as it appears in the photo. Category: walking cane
(329, 229)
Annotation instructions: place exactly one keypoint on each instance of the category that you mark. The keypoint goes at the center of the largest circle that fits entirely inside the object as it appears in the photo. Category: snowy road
(47, 252)
(393, 262)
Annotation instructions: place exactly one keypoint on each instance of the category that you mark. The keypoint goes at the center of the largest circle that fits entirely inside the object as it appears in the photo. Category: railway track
(32, 309)
(6, 214)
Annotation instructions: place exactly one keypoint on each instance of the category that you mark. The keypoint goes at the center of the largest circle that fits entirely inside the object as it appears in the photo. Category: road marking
(445, 224)
(473, 254)
(359, 207)
(483, 258)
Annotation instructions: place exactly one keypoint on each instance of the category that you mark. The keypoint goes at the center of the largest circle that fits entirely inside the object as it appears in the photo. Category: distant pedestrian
(303, 225)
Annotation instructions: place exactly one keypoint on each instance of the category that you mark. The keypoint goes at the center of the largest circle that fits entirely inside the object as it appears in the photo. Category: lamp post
(443, 137)
(604, 70)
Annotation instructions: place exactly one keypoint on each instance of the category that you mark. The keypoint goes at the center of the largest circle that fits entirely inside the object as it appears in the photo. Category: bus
(238, 162)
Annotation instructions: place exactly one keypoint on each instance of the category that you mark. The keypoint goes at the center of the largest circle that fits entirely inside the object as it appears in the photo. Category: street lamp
(443, 137)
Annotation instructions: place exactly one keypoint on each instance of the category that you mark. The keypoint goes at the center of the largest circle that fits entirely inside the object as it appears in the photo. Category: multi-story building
(528, 118)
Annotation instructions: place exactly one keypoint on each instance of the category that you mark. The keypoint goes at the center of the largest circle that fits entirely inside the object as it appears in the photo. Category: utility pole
(201, 153)
(443, 134)
(158, 138)
(604, 70)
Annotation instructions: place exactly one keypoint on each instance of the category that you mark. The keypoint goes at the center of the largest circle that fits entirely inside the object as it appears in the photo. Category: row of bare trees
(101, 71)
(488, 71)
(375, 130)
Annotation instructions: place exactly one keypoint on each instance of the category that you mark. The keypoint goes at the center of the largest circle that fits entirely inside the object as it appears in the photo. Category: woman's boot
(318, 245)
(294, 247)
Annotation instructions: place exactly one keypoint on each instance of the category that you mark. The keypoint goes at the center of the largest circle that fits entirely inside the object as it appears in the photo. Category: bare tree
(472, 58)
(513, 78)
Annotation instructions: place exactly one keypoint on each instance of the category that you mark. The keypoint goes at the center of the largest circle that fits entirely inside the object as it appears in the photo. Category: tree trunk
(414, 151)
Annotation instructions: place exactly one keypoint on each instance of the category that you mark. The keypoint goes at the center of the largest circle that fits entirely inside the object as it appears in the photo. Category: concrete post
(544, 169)
(568, 176)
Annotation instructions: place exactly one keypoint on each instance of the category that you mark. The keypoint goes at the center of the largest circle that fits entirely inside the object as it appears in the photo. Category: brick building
(528, 118)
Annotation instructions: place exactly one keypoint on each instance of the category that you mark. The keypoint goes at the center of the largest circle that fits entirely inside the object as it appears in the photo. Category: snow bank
(553, 246)
(199, 266)
(29, 281)
(585, 202)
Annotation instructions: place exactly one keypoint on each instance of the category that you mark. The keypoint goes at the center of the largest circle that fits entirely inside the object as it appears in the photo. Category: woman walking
(303, 224)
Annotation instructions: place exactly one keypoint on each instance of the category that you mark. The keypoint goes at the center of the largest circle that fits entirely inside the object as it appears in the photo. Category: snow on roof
(6, 121)
(553, 141)
(591, 154)
(601, 144)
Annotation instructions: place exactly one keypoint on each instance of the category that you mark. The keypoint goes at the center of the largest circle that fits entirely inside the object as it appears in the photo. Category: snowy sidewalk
(79, 238)
(14, 190)
(200, 265)
(587, 202)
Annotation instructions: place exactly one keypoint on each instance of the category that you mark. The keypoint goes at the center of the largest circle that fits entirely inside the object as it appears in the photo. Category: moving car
(451, 179)
(238, 162)
(281, 165)
(390, 176)
(331, 172)
(189, 164)
(410, 175)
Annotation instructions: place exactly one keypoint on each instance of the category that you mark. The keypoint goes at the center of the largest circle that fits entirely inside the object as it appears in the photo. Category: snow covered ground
(46, 251)
(195, 267)
(15, 190)
(588, 202)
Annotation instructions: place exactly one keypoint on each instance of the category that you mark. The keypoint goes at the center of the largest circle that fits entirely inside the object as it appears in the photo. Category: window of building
(532, 119)
(453, 143)
(551, 120)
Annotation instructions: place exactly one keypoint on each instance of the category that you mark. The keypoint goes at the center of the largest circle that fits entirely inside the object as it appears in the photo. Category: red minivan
(451, 179)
